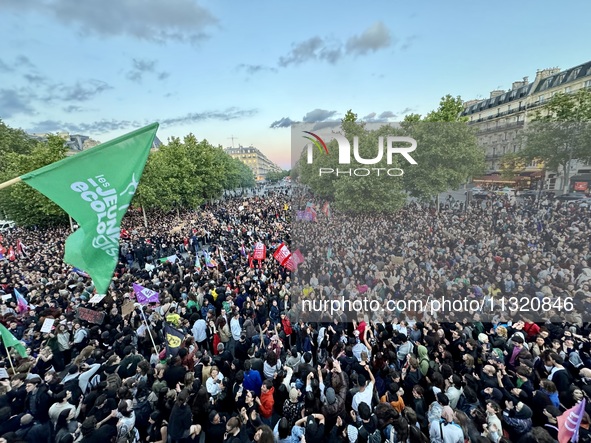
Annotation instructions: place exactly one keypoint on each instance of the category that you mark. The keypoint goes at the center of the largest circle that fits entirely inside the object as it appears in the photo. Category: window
(541, 99)
(567, 89)
(587, 83)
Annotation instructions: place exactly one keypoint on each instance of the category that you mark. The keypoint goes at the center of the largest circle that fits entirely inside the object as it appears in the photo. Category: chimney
(545, 73)
(496, 93)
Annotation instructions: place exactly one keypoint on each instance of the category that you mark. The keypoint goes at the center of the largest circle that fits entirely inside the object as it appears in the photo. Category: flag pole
(8, 183)
(149, 332)
(9, 359)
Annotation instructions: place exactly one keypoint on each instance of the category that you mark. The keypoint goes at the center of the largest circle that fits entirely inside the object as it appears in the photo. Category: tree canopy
(180, 174)
(560, 133)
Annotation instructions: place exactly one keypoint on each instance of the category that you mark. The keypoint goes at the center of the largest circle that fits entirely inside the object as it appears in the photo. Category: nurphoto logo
(394, 145)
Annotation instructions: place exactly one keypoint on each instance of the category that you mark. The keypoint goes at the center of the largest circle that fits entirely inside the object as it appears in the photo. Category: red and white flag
(282, 254)
(11, 254)
(20, 248)
(260, 251)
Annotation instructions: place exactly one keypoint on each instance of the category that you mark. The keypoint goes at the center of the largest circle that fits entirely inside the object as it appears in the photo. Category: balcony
(505, 127)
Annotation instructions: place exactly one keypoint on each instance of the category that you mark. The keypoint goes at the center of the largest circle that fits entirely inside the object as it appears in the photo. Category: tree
(511, 165)
(560, 133)
(14, 141)
(348, 192)
(20, 202)
(274, 177)
(447, 153)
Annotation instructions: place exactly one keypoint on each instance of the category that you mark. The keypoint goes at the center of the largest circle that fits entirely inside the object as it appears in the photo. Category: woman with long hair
(158, 428)
(180, 426)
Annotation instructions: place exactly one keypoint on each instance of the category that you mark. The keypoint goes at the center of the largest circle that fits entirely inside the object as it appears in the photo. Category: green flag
(10, 340)
(95, 187)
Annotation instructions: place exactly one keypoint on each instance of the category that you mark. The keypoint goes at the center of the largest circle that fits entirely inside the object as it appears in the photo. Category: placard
(6, 297)
(47, 325)
(97, 298)
(91, 316)
(3, 373)
(127, 308)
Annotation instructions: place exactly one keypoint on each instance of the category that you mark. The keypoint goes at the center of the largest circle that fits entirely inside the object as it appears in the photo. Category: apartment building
(255, 160)
(500, 118)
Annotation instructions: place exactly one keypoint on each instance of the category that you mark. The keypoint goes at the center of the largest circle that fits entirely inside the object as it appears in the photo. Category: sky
(247, 70)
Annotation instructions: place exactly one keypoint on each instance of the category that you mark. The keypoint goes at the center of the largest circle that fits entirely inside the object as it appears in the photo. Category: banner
(145, 295)
(282, 254)
(174, 339)
(260, 251)
(95, 188)
(91, 316)
(170, 258)
(304, 216)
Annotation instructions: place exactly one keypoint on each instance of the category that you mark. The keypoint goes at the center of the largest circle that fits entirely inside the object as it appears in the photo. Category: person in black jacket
(37, 401)
(180, 426)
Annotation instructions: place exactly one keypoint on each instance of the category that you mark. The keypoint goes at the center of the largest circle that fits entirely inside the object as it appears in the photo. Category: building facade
(500, 118)
(259, 164)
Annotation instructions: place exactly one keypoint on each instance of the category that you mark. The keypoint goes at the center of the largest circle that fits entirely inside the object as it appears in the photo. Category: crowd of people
(252, 366)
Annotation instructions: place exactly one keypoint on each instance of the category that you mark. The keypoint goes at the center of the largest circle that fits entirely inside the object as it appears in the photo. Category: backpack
(142, 411)
(375, 436)
(113, 382)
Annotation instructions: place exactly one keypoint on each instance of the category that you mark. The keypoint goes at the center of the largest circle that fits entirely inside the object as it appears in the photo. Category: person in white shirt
(365, 393)
(235, 326)
(213, 383)
(199, 330)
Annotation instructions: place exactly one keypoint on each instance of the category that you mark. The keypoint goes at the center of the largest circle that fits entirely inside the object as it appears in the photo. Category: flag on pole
(209, 262)
(260, 251)
(95, 188)
(243, 250)
(171, 258)
(198, 267)
(326, 209)
(10, 341)
(174, 339)
(22, 304)
(2, 250)
(298, 257)
(20, 248)
(282, 254)
(11, 254)
(145, 295)
(569, 423)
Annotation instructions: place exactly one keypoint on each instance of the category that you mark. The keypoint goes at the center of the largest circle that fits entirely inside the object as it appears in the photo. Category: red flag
(20, 248)
(282, 254)
(290, 263)
(250, 261)
(11, 254)
(260, 251)
(2, 250)
(570, 422)
(298, 257)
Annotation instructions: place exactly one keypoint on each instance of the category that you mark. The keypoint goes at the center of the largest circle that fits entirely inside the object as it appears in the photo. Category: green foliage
(560, 133)
(350, 193)
(20, 202)
(511, 165)
(274, 177)
(447, 151)
(184, 174)
(13, 141)
(449, 110)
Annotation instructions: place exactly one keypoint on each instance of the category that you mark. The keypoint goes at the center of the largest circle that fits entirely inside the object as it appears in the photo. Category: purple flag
(145, 295)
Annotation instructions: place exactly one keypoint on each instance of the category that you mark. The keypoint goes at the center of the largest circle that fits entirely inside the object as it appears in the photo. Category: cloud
(383, 117)
(285, 122)
(163, 75)
(72, 108)
(98, 127)
(255, 69)
(302, 52)
(151, 20)
(37, 79)
(387, 114)
(318, 115)
(374, 38)
(80, 92)
(194, 117)
(141, 67)
(13, 102)
(406, 111)
(408, 42)
(4, 67)
(326, 124)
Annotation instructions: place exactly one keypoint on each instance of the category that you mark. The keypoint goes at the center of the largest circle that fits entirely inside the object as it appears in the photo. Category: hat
(517, 339)
(34, 378)
(352, 433)
(331, 397)
(293, 395)
(524, 413)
